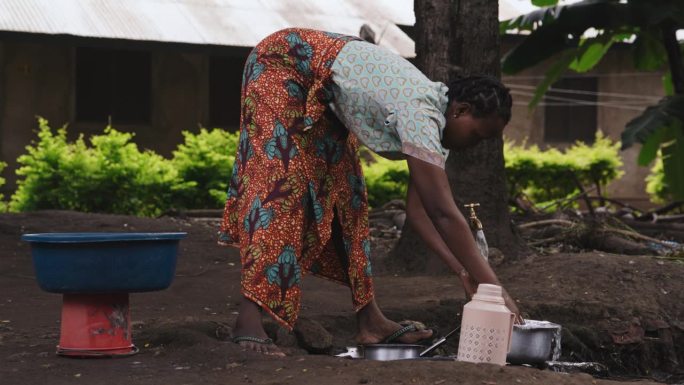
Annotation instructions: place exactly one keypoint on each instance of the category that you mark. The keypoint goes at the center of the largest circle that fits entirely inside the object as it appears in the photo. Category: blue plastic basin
(104, 262)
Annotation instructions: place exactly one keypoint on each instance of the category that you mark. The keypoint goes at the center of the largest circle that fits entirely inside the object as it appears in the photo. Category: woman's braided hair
(486, 95)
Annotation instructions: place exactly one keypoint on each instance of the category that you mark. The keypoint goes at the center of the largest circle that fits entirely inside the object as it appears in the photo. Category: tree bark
(476, 174)
(432, 36)
(674, 57)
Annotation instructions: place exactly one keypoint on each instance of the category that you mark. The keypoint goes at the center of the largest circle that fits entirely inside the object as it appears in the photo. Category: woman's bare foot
(249, 324)
(374, 327)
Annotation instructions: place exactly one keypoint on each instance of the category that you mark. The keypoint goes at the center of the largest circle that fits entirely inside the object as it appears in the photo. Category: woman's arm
(432, 188)
(421, 223)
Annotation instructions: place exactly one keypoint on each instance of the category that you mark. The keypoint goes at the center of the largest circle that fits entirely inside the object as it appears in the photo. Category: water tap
(474, 221)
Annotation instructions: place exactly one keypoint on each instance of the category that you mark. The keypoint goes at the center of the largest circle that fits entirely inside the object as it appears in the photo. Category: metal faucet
(474, 221)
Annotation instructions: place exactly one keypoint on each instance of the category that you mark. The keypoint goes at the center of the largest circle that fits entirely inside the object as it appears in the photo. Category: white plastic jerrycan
(486, 327)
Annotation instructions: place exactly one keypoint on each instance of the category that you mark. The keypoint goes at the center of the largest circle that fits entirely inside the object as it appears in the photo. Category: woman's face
(463, 130)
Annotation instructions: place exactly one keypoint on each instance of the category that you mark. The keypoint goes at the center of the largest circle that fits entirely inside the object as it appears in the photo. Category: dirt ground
(626, 312)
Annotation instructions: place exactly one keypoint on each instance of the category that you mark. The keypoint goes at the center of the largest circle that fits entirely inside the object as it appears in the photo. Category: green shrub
(552, 174)
(110, 176)
(385, 180)
(3, 205)
(540, 175)
(656, 187)
(205, 160)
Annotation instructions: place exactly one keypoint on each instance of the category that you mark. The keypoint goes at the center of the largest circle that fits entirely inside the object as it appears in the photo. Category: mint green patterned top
(388, 103)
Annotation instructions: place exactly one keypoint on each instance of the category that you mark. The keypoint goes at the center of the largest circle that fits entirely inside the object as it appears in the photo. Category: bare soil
(626, 312)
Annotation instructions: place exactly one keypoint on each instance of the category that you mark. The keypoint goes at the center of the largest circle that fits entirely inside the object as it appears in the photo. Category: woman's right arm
(422, 225)
(432, 187)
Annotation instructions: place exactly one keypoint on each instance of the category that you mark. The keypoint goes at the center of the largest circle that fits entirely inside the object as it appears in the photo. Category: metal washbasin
(104, 262)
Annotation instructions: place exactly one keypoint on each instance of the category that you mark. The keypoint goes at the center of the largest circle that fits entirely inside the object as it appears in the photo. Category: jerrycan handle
(510, 333)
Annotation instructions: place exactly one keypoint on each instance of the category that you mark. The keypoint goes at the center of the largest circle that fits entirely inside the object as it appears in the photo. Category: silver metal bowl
(534, 342)
(390, 352)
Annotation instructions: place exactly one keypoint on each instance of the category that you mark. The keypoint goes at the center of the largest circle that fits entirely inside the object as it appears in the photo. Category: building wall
(180, 89)
(618, 76)
(179, 93)
(37, 80)
(615, 75)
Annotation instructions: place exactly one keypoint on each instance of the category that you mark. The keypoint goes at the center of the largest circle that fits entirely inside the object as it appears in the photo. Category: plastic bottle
(486, 327)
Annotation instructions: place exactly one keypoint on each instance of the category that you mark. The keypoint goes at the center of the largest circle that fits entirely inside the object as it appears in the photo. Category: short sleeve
(420, 124)
(420, 132)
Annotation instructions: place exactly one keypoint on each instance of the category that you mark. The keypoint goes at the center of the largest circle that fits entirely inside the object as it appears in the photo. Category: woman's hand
(512, 306)
(469, 284)
(470, 287)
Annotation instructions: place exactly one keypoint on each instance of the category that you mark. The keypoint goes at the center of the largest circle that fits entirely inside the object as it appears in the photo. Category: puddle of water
(537, 324)
(593, 368)
(556, 345)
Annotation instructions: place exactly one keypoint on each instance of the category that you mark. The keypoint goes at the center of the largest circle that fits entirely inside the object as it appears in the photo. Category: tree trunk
(674, 57)
(476, 174)
(432, 35)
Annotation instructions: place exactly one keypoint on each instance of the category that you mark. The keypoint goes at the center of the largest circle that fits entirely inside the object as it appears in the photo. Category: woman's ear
(462, 109)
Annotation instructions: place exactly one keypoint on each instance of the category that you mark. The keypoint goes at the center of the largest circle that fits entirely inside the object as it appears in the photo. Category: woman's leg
(249, 324)
(372, 325)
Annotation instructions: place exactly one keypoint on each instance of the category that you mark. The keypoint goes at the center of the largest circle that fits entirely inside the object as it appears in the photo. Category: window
(225, 83)
(571, 116)
(113, 83)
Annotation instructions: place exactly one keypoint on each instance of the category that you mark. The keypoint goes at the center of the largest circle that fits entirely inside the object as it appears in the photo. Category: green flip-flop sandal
(392, 338)
(262, 341)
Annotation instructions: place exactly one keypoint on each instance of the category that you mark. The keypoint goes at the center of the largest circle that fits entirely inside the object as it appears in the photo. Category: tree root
(606, 234)
(546, 222)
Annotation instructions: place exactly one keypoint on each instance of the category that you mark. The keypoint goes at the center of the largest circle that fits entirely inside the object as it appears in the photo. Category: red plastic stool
(96, 325)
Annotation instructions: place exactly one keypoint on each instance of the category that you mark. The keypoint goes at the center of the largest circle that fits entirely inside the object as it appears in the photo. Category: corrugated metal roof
(240, 23)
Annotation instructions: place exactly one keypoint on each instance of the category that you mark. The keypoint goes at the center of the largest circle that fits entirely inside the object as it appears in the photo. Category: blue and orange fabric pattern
(296, 171)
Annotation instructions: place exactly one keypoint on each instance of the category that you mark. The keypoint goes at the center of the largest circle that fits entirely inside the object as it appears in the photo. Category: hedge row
(109, 173)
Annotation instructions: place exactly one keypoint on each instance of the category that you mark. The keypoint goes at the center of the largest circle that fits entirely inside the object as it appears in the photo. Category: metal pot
(533, 342)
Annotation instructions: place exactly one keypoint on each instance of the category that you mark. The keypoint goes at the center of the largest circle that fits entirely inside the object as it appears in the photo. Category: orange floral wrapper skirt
(296, 175)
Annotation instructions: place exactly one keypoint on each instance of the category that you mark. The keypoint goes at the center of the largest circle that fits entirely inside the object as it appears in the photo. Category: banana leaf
(555, 29)
(661, 127)
(666, 113)
(672, 150)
